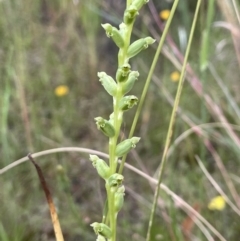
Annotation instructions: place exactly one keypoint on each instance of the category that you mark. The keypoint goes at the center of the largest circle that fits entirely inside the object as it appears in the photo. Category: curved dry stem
(51, 151)
(184, 205)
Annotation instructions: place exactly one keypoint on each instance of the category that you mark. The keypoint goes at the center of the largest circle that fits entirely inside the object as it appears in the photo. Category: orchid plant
(118, 87)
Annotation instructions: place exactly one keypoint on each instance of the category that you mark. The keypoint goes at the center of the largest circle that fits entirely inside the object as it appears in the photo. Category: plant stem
(110, 196)
(117, 118)
(172, 120)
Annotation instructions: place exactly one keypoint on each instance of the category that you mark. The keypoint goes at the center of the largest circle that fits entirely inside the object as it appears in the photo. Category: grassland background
(44, 44)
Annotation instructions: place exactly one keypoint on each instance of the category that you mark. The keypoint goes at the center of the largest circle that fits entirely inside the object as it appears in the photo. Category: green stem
(110, 197)
(118, 118)
(171, 124)
(117, 126)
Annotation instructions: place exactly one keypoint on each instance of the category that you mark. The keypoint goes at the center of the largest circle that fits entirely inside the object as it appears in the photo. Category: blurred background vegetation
(48, 44)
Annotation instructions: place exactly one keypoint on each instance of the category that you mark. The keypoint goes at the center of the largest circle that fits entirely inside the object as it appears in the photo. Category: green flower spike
(127, 102)
(119, 198)
(102, 229)
(115, 34)
(130, 14)
(139, 3)
(101, 166)
(115, 180)
(105, 126)
(123, 72)
(139, 45)
(125, 146)
(127, 86)
(108, 83)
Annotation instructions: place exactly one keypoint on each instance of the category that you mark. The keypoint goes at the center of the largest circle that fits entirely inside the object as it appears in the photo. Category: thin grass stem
(172, 120)
(236, 10)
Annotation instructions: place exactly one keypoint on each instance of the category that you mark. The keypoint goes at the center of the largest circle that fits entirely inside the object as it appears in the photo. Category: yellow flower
(217, 203)
(164, 14)
(61, 90)
(175, 76)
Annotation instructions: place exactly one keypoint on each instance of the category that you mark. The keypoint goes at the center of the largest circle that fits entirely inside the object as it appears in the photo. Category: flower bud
(139, 3)
(115, 180)
(105, 126)
(119, 198)
(102, 229)
(130, 14)
(123, 72)
(125, 146)
(101, 166)
(114, 33)
(117, 38)
(139, 45)
(127, 102)
(108, 83)
(108, 28)
(127, 86)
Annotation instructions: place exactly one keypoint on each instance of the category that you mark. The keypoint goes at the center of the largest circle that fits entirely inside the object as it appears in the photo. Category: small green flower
(123, 72)
(119, 198)
(101, 166)
(127, 102)
(125, 146)
(115, 180)
(102, 229)
(139, 45)
(105, 126)
(127, 86)
(114, 33)
(108, 83)
(130, 14)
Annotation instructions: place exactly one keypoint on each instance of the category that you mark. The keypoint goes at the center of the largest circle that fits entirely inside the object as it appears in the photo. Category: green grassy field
(48, 44)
